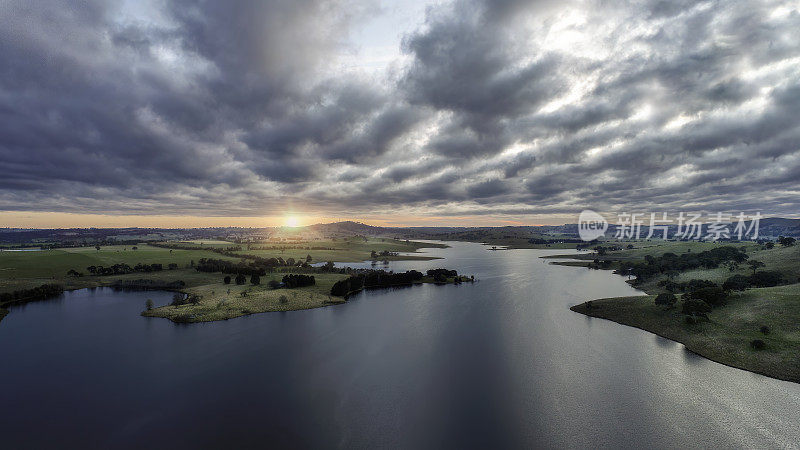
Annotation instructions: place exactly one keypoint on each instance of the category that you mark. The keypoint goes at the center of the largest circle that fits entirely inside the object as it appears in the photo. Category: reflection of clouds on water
(422, 366)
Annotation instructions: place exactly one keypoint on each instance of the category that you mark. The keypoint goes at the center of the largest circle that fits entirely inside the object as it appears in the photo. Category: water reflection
(500, 363)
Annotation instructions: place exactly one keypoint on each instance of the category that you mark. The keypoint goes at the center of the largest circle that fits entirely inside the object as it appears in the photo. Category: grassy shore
(26, 270)
(222, 302)
(727, 334)
(219, 301)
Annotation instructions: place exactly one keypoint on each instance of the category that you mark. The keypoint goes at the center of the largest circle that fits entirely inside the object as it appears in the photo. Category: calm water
(501, 363)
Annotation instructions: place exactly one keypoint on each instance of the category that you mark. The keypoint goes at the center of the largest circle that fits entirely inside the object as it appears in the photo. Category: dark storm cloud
(500, 107)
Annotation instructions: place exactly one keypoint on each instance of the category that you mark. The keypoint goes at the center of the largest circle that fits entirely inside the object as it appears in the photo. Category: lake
(501, 363)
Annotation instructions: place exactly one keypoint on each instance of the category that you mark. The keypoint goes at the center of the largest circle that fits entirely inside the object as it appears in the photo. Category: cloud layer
(498, 107)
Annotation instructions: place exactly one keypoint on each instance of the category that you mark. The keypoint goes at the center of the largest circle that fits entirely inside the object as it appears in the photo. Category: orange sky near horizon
(36, 219)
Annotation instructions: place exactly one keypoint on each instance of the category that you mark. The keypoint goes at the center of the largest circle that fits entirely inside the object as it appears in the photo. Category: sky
(465, 112)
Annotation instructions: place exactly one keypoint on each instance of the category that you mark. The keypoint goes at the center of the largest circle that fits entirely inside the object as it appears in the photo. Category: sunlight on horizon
(292, 221)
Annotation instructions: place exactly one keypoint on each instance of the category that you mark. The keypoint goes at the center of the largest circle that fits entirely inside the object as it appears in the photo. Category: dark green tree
(755, 265)
(666, 299)
(696, 308)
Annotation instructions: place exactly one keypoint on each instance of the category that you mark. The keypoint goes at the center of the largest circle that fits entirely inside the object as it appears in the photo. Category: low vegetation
(213, 279)
(738, 304)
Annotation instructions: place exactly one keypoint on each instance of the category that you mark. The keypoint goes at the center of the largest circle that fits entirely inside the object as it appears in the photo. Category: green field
(220, 301)
(727, 335)
(26, 270)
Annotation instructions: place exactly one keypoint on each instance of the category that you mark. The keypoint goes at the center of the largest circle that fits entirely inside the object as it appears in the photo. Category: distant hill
(777, 226)
(348, 228)
(769, 228)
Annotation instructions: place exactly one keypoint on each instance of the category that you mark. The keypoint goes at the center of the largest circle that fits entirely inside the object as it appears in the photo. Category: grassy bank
(727, 334)
(222, 302)
(769, 314)
(26, 270)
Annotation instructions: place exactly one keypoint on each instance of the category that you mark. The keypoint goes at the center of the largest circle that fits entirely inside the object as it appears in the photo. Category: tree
(255, 279)
(786, 241)
(149, 304)
(766, 278)
(755, 265)
(373, 255)
(227, 279)
(241, 279)
(736, 283)
(134, 248)
(696, 308)
(178, 299)
(97, 247)
(769, 245)
(714, 296)
(666, 299)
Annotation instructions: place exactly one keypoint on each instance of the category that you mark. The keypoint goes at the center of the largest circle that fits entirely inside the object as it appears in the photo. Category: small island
(734, 303)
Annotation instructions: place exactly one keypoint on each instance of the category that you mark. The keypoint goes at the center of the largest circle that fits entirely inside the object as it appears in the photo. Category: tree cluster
(383, 254)
(122, 269)
(767, 278)
(374, 279)
(147, 285)
(298, 280)
(179, 299)
(257, 265)
(555, 241)
(670, 262)
(42, 292)
(441, 275)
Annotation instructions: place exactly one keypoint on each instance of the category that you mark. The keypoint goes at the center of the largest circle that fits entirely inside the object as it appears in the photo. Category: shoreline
(260, 299)
(580, 308)
(632, 311)
(30, 274)
(264, 300)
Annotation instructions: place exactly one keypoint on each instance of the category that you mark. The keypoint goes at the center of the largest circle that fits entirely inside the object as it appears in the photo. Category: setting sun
(292, 221)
